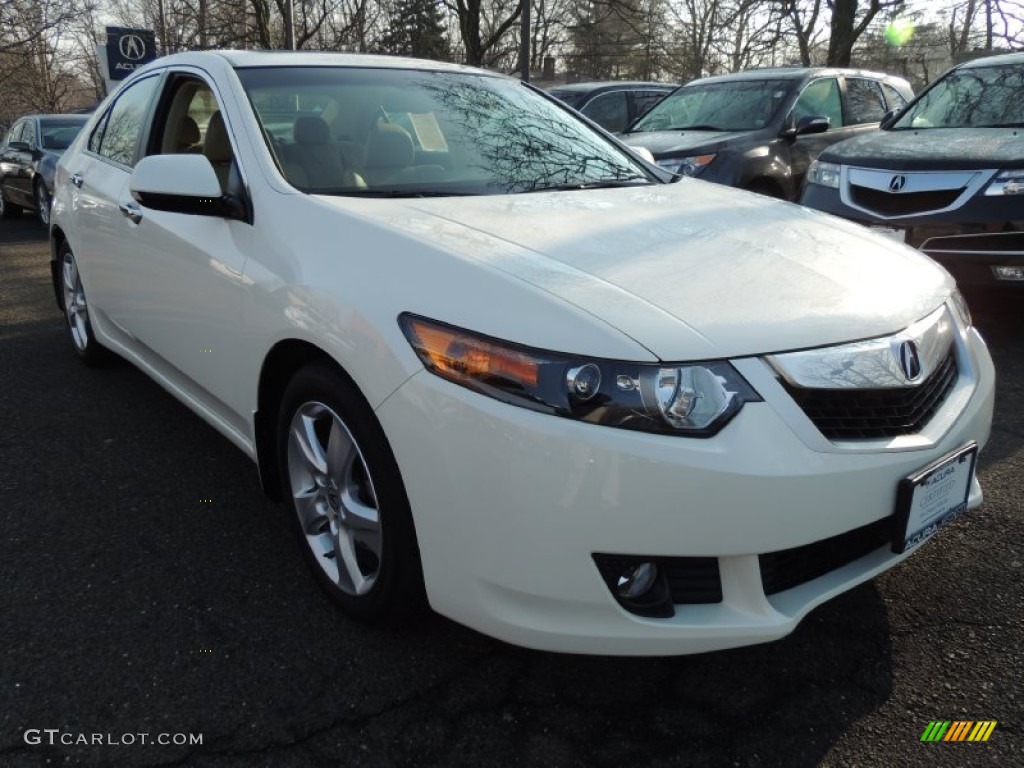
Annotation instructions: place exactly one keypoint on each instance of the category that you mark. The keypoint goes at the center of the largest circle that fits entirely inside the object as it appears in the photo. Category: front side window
(17, 132)
(973, 97)
(610, 110)
(644, 100)
(896, 100)
(394, 132)
(122, 127)
(738, 105)
(864, 101)
(821, 99)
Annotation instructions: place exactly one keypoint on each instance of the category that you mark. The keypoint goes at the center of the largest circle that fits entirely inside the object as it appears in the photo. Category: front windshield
(58, 134)
(974, 97)
(395, 132)
(737, 105)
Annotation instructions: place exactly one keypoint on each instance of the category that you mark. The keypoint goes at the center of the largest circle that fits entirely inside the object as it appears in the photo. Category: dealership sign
(127, 50)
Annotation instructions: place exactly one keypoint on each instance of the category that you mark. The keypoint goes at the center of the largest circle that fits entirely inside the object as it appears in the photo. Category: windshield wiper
(632, 181)
(387, 192)
(695, 127)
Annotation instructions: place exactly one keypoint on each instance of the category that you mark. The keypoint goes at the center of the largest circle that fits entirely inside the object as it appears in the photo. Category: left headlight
(691, 399)
(824, 174)
(686, 166)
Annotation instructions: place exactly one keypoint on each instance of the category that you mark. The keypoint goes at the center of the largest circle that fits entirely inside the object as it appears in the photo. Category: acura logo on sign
(897, 183)
(910, 361)
(132, 47)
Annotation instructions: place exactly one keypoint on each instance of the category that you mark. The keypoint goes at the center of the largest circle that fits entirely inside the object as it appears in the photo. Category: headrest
(389, 146)
(188, 132)
(217, 146)
(311, 130)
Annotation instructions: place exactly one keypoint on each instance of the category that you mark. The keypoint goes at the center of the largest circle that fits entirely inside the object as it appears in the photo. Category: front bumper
(510, 506)
(986, 232)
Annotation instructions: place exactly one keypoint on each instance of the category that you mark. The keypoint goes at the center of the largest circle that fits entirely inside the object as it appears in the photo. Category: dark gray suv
(761, 129)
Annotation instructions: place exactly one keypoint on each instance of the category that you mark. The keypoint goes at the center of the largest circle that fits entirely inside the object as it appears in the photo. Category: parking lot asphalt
(147, 586)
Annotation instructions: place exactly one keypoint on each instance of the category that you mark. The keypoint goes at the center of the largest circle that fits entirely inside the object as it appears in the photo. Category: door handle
(131, 211)
(77, 180)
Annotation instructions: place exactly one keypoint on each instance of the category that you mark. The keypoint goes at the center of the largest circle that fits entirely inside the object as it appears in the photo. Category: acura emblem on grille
(910, 361)
(897, 183)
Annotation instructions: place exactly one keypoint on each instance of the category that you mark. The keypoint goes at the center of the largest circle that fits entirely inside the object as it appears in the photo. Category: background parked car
(28, 160)
(613, 105)
(761, 129)
(946, 175)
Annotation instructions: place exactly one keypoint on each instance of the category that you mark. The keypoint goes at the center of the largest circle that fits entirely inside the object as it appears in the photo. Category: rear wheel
(42, 203)
(348, 502)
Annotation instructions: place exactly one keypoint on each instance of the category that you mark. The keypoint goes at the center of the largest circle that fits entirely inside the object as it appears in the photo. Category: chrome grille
(855, 414)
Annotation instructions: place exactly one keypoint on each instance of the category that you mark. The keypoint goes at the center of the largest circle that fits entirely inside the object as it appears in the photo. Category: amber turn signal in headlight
(695, 399)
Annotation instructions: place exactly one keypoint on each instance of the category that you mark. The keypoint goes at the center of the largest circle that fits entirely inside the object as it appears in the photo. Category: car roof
(792, 73)
(609, 85)
(245, 59)
(60, 118)
(992, 61)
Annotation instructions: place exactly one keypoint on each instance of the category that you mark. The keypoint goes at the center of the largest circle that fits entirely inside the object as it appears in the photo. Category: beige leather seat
(217, 148)
(189, 138)
(389, 151)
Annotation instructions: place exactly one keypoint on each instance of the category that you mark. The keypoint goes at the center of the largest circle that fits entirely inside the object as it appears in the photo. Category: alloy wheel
(75, 306)
(335, 498)
(43, 204)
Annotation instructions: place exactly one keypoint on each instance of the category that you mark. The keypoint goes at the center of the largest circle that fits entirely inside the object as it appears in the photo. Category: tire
(76, 310)
(8, 210)
(348, 503)
(43, 203)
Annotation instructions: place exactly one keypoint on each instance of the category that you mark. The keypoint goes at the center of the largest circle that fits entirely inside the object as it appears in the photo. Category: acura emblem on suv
(910, 361)
(897, 183)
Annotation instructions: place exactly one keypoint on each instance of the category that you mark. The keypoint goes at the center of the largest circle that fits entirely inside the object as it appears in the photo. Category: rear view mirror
(180, 184)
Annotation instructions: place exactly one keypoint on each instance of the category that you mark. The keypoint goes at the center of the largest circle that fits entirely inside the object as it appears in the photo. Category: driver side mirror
(20, 146)
(889, 118)
(182, 184)
(809, 124)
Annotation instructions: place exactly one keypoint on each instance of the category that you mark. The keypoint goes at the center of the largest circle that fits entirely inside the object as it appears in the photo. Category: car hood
(690, 270)
(674, 143)
(932, 149)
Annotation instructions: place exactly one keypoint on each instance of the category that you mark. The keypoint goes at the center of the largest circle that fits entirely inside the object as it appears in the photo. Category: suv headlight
(824, 174)
(1007, 183)
(685, 166)
(691, 399)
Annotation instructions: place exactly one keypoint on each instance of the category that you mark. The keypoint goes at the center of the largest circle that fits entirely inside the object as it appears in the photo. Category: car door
(187, 269)
(8, 167)
(105, 240)
(821, 97)
(18, 163)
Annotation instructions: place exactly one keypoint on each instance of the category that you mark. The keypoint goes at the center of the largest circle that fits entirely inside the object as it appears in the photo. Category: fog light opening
(636, 580)
(1015, 274)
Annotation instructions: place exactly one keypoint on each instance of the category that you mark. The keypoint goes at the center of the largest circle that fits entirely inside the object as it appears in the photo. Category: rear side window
(821, 99)
(609, 110)
(896, 100)
(644, 100)
(864, 101)
(117, 136)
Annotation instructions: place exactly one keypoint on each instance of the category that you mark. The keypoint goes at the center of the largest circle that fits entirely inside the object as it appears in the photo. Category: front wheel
(43, 203)
(76, 310)
(348, 501)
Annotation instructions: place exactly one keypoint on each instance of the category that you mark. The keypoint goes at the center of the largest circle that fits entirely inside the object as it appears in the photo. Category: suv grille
(851, 414)
(790, 568)
(903, 203)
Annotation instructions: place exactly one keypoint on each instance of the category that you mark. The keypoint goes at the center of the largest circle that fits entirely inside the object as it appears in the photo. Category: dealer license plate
(892, 233)
(933, 497)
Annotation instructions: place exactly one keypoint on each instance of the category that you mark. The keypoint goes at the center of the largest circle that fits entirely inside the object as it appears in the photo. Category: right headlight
(691, 399)
(686, 166)
(824, 174)
(1007, 183)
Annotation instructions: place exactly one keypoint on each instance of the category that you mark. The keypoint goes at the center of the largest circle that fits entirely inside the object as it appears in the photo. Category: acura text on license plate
(936, 495)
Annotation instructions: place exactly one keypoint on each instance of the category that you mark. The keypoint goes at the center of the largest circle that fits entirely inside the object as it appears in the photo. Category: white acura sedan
(493, 361)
